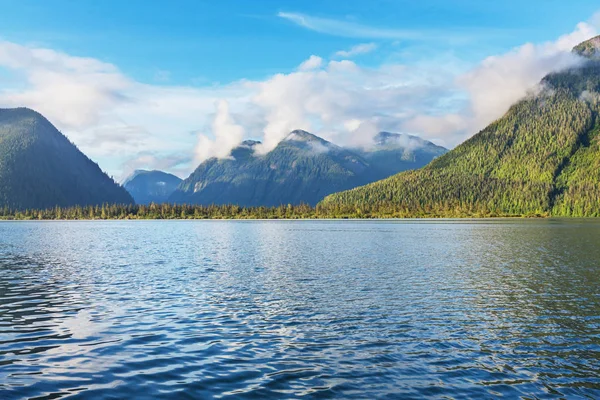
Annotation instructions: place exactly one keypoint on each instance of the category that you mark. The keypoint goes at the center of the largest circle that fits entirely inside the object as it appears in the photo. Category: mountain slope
(151, 186)
(541, 157)
(40, 168)
(303, 168)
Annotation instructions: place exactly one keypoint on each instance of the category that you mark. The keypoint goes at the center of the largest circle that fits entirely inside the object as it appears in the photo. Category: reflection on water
(200, 309)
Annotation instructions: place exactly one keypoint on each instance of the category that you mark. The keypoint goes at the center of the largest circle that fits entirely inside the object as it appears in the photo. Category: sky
(168, 84)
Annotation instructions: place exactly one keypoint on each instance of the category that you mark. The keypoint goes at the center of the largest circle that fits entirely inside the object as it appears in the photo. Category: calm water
(203, 309)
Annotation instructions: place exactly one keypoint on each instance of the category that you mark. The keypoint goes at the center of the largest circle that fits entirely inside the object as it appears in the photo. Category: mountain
(151, 186)
(589, 48)
(303, 168)
(541, 158)
(41, 168)
(391, 153)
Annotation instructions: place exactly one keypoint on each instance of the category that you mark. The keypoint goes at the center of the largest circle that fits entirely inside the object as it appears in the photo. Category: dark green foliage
(151, 186)
(303, 168)
(541, 158)
(40, 168)
(163, 211)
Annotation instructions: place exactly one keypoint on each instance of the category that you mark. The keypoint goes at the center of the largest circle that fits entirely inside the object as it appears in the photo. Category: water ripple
(352, 309)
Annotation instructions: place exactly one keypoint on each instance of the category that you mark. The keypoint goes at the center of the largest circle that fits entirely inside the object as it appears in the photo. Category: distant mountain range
(541, 158)
(303, 168)
(151, 186)
(41, 168)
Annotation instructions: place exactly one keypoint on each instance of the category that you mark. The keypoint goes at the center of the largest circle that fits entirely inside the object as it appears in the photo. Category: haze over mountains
(303, 168)
(151, 186)
(542, 157)
(40, 168)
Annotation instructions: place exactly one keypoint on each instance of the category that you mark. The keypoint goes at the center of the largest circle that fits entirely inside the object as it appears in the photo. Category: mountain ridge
(151, 186)
(302, 168)
(540, 158)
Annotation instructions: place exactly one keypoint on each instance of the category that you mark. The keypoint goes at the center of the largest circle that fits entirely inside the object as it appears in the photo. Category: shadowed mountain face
(541, 157)
(303, 168)
(151, 186)
(41, 168)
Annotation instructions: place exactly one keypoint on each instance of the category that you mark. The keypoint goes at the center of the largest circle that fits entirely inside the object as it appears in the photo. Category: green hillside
(541, 158)
(40, 168)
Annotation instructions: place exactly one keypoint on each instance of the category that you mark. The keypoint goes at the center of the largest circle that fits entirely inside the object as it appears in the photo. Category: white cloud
(363, 48)
(227, 135)
(72, 89)
(313, 62)
(345, 28)
(174, 163)
(500, 81)
(323, 99)
(110, 116)
(126, 124)
(595, 20)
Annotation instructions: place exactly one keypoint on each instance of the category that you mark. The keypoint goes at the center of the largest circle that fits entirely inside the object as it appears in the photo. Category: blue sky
(229, 58)
(199, 42)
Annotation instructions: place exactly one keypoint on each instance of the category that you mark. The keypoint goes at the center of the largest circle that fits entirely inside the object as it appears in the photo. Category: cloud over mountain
(124, 123)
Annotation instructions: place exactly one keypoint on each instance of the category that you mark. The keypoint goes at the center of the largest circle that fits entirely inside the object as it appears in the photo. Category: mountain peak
(155, 173)
(590, 48)
(250, 143)
(151, 186)
(11, 115)
(302, 136)
(302, 168)
(383, 138)
(41, 168)
(20, 110)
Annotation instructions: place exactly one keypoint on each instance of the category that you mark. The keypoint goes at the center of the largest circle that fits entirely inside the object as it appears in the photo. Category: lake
(285, 309)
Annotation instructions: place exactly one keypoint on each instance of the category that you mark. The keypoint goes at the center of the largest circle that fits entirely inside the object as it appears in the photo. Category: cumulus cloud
(337, 99)
(73, 89)
(107, 114)
(313, 62)
(125, 124)
(227, 135)
(363, 48)
(500, 81)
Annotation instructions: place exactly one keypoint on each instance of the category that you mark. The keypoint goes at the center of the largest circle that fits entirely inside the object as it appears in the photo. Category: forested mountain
(151, 186)
(303, 168)
(542, 157)
(41, 168)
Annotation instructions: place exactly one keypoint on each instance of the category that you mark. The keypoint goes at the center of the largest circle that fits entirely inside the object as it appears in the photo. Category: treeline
(303, 211)
(160, 211)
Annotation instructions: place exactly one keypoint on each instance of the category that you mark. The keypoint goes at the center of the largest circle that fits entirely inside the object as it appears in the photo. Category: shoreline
(382, 219)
